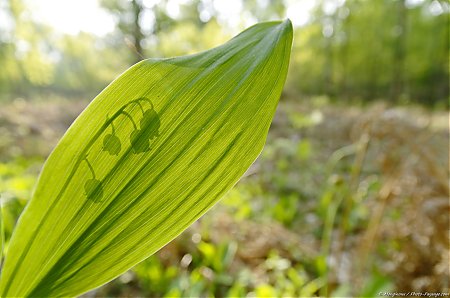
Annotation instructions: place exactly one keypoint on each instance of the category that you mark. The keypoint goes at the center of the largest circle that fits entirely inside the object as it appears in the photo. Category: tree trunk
(138, 36)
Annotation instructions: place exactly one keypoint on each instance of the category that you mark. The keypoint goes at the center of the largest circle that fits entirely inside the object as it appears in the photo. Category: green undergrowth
(302, 214)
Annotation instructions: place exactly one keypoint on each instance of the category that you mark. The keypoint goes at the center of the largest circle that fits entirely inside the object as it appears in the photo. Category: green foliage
(188, 129)
(248, 243)
(79, 54)
(16, 181)
(366, 50)
(2, 232)
(351, 50)
(201, 276)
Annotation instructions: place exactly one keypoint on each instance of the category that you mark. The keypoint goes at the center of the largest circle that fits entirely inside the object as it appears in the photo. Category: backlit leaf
(151, 154)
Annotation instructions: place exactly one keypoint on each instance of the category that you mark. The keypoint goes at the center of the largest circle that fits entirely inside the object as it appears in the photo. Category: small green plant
(151, 154)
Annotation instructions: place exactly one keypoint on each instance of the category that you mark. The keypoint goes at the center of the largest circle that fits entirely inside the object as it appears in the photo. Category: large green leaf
(151, 154)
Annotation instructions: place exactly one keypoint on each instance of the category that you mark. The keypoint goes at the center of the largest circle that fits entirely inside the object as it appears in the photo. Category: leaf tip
(286, 26)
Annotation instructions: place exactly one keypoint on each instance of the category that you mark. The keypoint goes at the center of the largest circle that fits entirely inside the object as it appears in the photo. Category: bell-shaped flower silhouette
(139, 141)
(150, 124)
(111, 144)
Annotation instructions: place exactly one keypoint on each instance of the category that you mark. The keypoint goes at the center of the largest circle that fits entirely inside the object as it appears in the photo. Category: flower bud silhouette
(93, 187)
(111, 144)
(139, 141)
(150, 124)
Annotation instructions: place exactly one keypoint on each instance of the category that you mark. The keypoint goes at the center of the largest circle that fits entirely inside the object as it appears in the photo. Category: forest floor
(344, 200)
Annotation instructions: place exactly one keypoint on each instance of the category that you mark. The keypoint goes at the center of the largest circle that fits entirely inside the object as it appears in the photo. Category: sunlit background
(350, 195)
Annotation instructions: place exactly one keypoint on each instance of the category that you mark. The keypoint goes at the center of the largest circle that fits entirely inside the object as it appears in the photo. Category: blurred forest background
(350, 50)
(350, 196)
